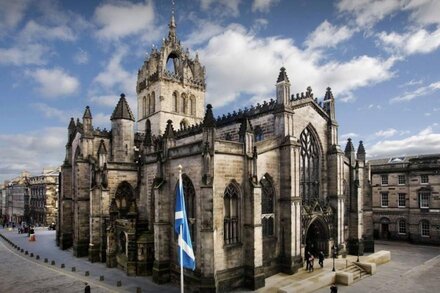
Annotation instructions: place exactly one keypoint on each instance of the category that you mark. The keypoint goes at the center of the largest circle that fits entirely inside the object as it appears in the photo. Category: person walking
(307, 261)
(333, 288)
(311, 261)
(87, 288)
(321, 259)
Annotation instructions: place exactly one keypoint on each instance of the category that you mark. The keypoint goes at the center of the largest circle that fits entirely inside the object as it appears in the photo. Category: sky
(381, 59)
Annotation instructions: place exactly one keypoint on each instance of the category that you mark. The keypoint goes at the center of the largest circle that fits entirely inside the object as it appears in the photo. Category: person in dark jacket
(321, 259)
(333, 288)
(87, 288)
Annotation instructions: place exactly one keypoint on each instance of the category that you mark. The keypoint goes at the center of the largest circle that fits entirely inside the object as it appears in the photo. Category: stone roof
(122, 110)
(401, 159)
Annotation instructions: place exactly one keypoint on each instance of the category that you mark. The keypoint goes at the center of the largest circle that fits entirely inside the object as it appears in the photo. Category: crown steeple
(172, 33)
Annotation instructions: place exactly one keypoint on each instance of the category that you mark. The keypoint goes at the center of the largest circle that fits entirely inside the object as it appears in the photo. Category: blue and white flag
(188, 258)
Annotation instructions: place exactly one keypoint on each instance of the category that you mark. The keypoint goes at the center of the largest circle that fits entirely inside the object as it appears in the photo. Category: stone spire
(209, 120)
(283, 88)
(349, 150)
(329, 104)
(122, 110)
(71, 124)
(169, 131)
(172, 33)
(87, 113)
(361, 151)
(283, 75)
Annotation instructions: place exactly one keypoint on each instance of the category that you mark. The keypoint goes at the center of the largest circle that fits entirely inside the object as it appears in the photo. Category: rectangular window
(384, 199)
(402, 227)
(424, 199)
(424, 179)
(424, 229)
(402, 200)
(384, 179)
(402, 179)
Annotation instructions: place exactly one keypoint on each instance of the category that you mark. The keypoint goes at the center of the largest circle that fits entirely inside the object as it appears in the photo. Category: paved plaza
(413, 268)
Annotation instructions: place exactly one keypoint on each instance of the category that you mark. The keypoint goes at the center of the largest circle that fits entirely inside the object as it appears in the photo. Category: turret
(70, 130)
(122, 132)
(361, 155)
(283, 88)
(349, 151)
(329, 104)
(87, 122)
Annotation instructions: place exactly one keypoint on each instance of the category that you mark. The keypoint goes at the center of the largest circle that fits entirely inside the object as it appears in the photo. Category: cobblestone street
(22, 273)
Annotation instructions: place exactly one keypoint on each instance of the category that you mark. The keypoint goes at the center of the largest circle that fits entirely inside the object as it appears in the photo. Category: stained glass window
(309, 167)
(231, 216)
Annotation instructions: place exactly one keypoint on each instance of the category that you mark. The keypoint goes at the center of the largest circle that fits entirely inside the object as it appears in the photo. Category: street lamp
(358, 244)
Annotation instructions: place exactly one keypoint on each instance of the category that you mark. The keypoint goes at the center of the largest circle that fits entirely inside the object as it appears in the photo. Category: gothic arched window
(309, 166)
(176, 101)
(231, 213)
(184, 104)
(259, 136)
(190, 201)
(144, 106)
(124, 197)
(267, 206)
(152, 103)
(193, 105)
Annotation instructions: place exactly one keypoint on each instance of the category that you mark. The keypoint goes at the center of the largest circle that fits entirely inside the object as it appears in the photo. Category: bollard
(38, 257)
(52, 262)
(101, 278)
(62, 266)
(45, 260)
(26, 252)
(22, 250)
(138, 290)
(118, 283)
(87, 273)
(73, 269)
(32, 254)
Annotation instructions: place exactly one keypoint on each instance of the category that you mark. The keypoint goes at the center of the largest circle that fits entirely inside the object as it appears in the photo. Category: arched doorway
(317, 238)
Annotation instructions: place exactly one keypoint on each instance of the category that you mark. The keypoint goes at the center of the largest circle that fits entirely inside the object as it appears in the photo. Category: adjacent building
(406, 198)
(17, 199)
(262, 184)
(43, 200)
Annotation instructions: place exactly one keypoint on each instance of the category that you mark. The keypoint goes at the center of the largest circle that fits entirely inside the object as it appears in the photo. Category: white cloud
(11, 13)
(106, 100)
(263, 5)
(327, 35)
(417, 93)
(81, 57)
(28, 151)
(115, 76)
(368, 12)
(34, 31)
(123, 18)
(387, 132)
(424, 142)
(349, 135)
(54, 82)
(414, 42)
(250, 67)
(24, 55)
(424, 11)
(221, 7)
(51, 112)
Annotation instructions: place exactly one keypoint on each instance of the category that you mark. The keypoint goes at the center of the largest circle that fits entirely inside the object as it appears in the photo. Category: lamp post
(358, 244)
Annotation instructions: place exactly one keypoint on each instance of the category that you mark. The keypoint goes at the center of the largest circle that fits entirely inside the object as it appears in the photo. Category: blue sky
(380, 58)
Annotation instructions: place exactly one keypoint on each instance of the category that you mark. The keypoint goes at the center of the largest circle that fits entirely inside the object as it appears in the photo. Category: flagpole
(181, 240)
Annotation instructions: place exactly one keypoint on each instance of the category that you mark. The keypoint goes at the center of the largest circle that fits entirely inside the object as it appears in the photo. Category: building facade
(262, 184)
(43, 200)
(406, 198)
(17, 199)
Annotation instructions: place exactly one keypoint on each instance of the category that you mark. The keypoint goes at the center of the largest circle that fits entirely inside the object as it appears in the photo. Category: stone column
(65, 228)
(82, 210)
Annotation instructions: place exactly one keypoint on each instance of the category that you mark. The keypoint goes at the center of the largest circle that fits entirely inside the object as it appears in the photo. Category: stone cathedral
(262, 184)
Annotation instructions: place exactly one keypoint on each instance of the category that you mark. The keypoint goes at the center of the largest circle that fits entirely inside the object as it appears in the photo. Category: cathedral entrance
(317, 238)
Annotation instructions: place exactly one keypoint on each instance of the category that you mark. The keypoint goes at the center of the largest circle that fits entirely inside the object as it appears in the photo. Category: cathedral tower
(170, 86)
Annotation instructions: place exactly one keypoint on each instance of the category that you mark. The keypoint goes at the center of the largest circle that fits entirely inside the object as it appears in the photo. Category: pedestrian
(307, 261)
(321, 259)
(333, 288)
(311, 261)
(87, 288)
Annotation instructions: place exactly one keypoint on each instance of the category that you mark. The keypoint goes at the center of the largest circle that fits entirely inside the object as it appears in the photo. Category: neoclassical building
(262, 184)
(406, 201)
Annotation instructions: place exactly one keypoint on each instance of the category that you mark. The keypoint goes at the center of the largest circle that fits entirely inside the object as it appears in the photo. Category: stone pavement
(16, 269)
(413, 268)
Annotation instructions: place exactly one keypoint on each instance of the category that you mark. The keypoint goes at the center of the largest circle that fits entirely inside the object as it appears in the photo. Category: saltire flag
(188, 258)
